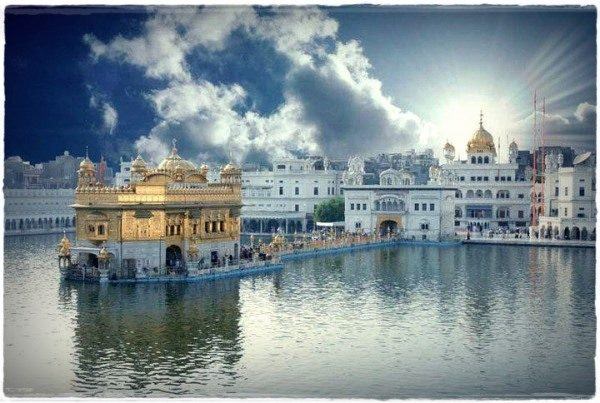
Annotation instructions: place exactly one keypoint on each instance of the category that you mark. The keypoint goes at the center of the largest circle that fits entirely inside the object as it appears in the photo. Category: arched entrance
(575, 233)
(388, 227)
(174, 257)
(567, 233)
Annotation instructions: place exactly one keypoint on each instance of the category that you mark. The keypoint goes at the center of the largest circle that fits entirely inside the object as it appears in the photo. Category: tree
(330, 210)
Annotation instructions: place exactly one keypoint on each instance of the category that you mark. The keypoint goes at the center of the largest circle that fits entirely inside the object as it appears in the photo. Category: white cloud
(110, 117)
(169, 35)
(332, 103)
(585, 111)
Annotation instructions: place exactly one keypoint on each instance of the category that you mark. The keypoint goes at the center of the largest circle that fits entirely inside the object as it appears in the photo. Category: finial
(86, 153)
(174, 142)
(481, 118)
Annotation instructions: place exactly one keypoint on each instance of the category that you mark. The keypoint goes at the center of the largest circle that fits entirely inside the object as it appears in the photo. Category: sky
(252, 83)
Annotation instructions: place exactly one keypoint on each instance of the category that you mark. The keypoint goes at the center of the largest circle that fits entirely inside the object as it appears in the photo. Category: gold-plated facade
(172, 205)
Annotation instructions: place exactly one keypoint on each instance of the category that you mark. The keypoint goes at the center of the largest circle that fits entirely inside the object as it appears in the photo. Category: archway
(584, 234)
(575, 233)
(388, 227)
(174, 257)
(567, 233)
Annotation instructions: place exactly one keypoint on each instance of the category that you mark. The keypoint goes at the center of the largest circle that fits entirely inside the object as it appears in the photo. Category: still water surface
(407, 322)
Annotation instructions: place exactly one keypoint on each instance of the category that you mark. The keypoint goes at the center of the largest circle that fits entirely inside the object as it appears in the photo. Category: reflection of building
(285, 197)
(137, 336)
(399, 206)
(489, 194)
(38, 211)
(167, 217)
(569, 198)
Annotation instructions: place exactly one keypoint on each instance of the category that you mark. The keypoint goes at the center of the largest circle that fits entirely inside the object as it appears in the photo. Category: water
(467, 321)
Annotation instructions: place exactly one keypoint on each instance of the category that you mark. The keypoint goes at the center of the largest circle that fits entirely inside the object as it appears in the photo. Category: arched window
(469, 194)
(479, 160)
(488, 194)
(458, 194)
(377, 205)
(486, 160)
(473, 160)
(457, 213)
(479, 194)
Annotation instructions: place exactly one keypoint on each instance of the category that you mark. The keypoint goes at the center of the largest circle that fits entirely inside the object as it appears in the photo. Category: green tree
(330, 210)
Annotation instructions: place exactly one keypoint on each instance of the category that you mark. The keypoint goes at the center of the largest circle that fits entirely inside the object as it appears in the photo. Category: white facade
(38, 211)
(414, 212)
(285, 197)
(569, 199)
(489, 194)
(123, 177)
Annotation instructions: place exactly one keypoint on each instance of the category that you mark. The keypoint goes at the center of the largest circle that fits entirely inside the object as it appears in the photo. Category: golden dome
(86, 164)
(174, 162)
(204, 168)
(448, 146)
(230, 169)
(138, 163)
(482, 141)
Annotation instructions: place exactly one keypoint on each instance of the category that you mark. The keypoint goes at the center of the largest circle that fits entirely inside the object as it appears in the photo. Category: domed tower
(86, 174)
(513, 151)
(204, 170)
(174, 163)
(481, 148)
(449, 152)
(138, 169)
(230, 173)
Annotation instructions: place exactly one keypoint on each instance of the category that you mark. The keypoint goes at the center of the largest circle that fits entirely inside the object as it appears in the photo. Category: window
(280, 166)
(486, 160)
(462, 178)
(431, 206)
(486, 178)
(296, 190)
(502, 178)
(351, 206)
(100, 229)
(194, 229)
(357, 225)
(416, 206)
(364, 206)
(457, 223)
(316, 191)
(358, 206)
(472, 179)
(328, 190)
(281, 190)
(566, 210)
(424, 206)
(566, 190)
(296, 207)
(479, 179)
(207, 226)
(520, 213)
(496, 179)
(473, 160)
(521, 196)
(581, 191)
(556, 191)
(424, 226)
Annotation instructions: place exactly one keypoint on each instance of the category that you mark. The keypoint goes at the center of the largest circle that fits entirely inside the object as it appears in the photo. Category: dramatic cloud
(577, 128)
(110, 117)
(331, 102)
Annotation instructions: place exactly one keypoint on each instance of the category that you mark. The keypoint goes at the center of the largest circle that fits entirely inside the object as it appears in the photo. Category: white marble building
(285, 197)
(38, 211)
(398, 206)
(490, 194)
(569, 198)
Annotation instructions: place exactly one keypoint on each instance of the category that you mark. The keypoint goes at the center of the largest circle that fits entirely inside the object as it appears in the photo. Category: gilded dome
(230, 168)
(448, 147)
(138, 164)
(204, 168)
(482, 141)
(86, 164)
(174, 162)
